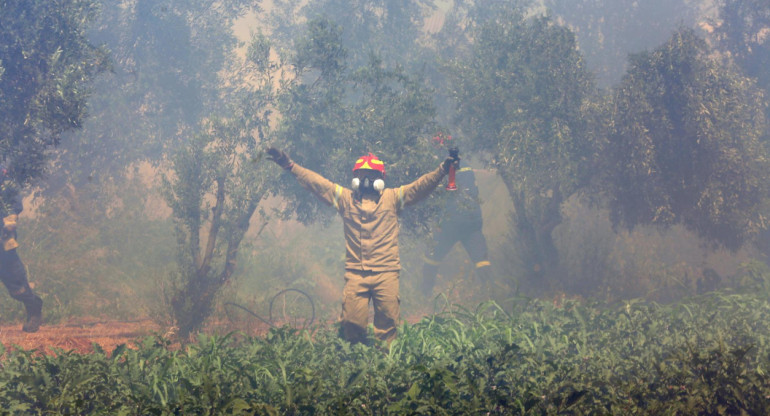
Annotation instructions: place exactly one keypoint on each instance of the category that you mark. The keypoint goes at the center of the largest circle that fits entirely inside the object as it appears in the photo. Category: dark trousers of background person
(469, 234)
(14, 277)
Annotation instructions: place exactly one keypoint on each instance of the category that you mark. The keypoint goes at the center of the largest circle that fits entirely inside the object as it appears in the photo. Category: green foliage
(707, 355)
(47, 67)
(320, 49)
(217, 186)
(520, 95)
(684, 145)
(743, 30)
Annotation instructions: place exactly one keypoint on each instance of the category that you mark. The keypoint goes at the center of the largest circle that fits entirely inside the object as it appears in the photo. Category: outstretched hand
(280, 157)
(449, 161)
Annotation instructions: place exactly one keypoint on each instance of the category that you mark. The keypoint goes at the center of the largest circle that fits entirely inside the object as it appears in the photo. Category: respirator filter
(367, 184)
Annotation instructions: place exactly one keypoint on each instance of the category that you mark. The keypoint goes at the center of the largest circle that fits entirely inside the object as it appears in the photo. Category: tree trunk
(194, 303)
(534, 231)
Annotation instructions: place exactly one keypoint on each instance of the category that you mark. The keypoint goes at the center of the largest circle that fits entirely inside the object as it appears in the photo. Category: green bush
(706, 355)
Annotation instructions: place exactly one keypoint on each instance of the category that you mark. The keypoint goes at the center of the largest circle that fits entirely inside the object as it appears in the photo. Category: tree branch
(216, 222)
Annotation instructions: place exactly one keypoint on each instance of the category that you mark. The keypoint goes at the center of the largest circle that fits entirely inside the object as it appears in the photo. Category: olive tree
(216, 183)
(683, 147)
(47, 65)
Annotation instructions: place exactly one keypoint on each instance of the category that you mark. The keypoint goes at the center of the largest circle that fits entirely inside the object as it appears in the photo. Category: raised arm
(425, 184)
(321, 187)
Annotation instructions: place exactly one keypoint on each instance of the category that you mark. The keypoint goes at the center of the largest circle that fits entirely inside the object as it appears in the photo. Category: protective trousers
(472, 239)
(14, 277)
(361, 287)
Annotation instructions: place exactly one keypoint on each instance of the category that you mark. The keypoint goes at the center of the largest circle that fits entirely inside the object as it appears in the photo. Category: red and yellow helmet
(370, 162)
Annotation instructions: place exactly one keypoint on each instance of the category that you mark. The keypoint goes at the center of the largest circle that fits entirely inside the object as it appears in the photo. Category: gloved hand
(449, 162)
(279, 157)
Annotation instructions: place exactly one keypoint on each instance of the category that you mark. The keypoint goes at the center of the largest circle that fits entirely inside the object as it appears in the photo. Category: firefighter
(461, 222)
(12, 270)
(369, 215)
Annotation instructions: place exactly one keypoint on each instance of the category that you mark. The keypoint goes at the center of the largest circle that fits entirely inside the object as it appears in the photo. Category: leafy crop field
(706, 355)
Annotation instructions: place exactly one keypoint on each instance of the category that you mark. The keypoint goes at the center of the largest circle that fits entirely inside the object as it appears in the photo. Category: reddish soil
(78, 336)
(81, 335)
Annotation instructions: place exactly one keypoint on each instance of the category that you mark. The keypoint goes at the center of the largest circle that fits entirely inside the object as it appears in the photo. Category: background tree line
(603, 124)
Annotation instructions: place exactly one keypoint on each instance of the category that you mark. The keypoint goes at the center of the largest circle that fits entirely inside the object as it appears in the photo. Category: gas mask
(367, 185)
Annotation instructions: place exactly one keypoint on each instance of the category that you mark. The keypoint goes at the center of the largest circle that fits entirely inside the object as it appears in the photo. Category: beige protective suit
(372, 262)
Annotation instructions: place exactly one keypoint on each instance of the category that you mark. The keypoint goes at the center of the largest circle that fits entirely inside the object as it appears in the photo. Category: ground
(81, 335)
(78, 336)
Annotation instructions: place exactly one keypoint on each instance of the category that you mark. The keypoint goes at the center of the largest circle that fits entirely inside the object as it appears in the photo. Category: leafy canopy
(46, 66)
(684, 145)
(744, 31)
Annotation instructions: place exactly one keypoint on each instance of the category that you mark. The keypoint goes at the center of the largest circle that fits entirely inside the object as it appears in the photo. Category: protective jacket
(370, 222)
(463, 205)
(9, 213)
